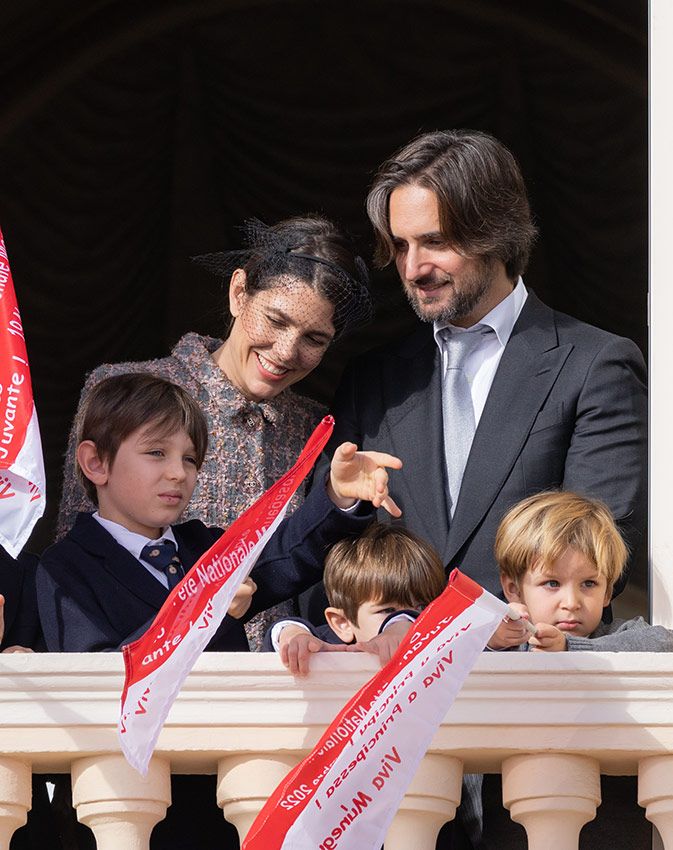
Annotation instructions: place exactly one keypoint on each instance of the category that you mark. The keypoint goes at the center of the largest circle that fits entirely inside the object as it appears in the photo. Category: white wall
(661, 311)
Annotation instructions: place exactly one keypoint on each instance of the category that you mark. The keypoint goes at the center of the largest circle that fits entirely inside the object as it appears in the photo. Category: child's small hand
(384, 645)
(361, 475)
(242, 599)
(511, 632)
(548, 638)
(17, 649)
(296, 645)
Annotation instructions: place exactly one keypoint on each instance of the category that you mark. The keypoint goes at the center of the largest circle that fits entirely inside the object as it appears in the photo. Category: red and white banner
(158, 663)
(22, 483)
(346, 792)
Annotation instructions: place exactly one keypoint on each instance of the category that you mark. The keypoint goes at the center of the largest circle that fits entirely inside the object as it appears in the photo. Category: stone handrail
(550, 723)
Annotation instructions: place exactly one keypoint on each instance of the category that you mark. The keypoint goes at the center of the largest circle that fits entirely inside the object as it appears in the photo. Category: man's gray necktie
(457, 407)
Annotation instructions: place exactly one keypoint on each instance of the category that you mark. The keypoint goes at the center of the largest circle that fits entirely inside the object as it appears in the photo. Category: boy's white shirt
(134, 543)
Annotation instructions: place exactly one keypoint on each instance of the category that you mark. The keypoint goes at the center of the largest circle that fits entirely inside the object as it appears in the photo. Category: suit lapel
(527, 371)
(414, 437)
(118, 561)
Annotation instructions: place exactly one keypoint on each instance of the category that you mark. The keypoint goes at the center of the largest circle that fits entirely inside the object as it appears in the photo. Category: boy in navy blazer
(142, 442)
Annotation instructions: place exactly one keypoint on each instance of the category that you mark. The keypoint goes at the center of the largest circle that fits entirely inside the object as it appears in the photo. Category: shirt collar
(131, 540)
(501, 318)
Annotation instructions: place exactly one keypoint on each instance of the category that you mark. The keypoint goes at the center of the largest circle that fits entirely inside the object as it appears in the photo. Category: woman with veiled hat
(296, 288)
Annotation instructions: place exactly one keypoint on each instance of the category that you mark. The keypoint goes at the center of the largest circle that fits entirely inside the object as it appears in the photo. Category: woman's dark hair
(309, 248)
(481, 195)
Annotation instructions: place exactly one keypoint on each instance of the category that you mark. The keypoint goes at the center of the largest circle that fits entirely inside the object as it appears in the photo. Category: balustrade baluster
(245, 782)
(15, 797)
(552, 795)
(117, 803)
(430, 801)
(655, 794)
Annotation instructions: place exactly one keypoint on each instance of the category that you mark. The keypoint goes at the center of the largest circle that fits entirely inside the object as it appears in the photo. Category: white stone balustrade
(549, 723)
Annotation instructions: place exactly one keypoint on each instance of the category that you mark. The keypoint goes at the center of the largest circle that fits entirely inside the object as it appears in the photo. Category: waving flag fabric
(346, 792)
(158, 663)
(22, 482)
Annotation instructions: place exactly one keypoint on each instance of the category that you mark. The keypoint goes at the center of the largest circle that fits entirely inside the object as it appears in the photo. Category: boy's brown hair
(118, 406)
(386, 563)
(538, 530)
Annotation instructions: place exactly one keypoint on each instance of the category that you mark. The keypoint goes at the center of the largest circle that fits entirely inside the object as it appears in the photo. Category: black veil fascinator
(309, 251)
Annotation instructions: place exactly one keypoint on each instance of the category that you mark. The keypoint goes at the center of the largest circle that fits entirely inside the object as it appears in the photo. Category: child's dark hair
(118, 406)
(386, 563)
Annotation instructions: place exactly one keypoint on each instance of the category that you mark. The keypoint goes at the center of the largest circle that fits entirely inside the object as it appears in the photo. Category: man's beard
(473, 285)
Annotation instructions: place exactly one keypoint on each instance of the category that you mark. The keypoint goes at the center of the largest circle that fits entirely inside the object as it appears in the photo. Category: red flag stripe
(289, 801)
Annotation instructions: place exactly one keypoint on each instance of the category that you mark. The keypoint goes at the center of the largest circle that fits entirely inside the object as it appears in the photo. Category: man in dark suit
(546, 401)
(496, 396)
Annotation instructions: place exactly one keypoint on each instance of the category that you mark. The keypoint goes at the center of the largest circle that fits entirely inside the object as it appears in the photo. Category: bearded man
(495, 396)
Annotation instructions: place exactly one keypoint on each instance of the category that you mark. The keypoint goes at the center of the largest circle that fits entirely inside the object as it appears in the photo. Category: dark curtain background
(135, 135)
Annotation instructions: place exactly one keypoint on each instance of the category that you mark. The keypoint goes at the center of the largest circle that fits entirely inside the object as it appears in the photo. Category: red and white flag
(346, 792)
(22, 484)
(158, 663)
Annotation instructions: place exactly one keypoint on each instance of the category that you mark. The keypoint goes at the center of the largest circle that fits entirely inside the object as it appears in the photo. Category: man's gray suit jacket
(567, 409)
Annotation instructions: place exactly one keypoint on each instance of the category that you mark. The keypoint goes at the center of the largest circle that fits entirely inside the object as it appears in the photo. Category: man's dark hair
(481, 195)
(118, 406)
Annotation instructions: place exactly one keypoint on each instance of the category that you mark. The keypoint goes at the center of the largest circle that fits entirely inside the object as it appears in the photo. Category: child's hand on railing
(384, 645)
(296, 646)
